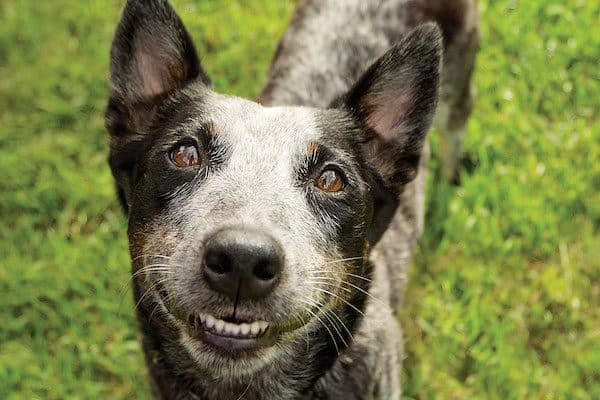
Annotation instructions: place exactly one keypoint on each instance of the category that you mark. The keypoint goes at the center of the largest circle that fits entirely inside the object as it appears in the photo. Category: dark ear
(152, 56)
(395, 101)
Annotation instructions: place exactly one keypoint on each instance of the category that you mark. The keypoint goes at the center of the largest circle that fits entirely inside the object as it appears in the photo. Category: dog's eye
(185, 155)
(330, 181)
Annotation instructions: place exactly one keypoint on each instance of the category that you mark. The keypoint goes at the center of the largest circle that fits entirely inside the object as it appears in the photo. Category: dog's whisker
(149, 290)
(343, 260)
(364, 278)
(162, 302)
(152, 269)
(325, 313)
(324, 273)
(148, 269)
(156, 306)
(145, 256)
(245, 390)
(318, 276)
(340, 298)
(376, 299)
(341, 323)
(337, 349)
(303, 322)
(325, 280)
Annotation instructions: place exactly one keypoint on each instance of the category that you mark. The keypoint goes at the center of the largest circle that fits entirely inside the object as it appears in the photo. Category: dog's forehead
(278, 130)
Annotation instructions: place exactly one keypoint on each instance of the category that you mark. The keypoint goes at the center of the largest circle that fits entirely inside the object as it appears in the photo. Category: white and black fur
(353, 87)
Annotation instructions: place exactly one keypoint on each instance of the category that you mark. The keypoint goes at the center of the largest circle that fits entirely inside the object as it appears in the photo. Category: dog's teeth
(244, 329)
(219, 324)
(210, 321)
(254, 328)
(234, 329)
(206, 321)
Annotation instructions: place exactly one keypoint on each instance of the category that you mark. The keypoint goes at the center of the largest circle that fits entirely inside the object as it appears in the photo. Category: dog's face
(249, 226)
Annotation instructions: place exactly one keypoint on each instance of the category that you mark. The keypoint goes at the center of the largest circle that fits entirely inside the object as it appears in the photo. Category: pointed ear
(395, 101)
(152, 56)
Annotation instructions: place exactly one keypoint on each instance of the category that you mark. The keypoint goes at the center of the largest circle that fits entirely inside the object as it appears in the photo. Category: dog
(270, 238)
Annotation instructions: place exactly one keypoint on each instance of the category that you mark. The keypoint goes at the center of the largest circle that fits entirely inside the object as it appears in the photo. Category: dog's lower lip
(229, 343)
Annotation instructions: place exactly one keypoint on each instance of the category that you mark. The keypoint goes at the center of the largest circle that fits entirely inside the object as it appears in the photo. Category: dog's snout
(242, 263)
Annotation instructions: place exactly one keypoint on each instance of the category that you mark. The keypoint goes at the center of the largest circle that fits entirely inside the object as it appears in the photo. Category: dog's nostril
(218, 262)
(242, 263)
(264, 271)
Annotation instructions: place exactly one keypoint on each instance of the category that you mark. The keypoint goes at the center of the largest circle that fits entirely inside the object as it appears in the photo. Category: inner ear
(158, 78)
(163, 67)
(152, 56)
(395, 101)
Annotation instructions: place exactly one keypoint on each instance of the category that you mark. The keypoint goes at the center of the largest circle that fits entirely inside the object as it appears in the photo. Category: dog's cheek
(152, 242)
(345, 223)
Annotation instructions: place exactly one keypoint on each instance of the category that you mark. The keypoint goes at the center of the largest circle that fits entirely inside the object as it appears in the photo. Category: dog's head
(249, 226)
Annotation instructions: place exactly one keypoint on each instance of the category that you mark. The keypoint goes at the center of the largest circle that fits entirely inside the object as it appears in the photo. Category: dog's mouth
(233, 336)
(230, 334)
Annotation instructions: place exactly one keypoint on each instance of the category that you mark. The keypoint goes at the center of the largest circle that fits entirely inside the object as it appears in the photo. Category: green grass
(504, 293)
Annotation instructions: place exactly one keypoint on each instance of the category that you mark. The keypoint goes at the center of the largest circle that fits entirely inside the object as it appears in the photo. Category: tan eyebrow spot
(312, 148)
(212, 128)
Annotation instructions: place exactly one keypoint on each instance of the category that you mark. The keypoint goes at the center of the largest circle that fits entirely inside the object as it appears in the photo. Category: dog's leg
(456, 103)
(457, 91)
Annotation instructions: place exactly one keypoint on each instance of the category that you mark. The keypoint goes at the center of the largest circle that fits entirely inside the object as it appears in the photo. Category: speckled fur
(328, 46)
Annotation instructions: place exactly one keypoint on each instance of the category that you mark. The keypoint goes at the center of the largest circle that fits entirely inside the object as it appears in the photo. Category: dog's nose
(242, 263)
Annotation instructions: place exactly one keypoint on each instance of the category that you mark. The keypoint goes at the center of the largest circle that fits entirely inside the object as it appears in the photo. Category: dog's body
(333, 190)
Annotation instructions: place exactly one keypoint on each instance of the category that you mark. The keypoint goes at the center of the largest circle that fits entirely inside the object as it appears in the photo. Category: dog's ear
(152, 56)
(395, 100)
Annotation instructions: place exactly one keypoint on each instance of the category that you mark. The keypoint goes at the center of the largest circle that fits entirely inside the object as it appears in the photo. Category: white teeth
(235, 329)
(229, 328)
(210, 321)
(219, 325)
(255, 328)
(244, 329)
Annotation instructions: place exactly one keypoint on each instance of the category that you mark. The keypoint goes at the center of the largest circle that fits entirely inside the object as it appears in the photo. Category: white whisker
(340, 298)
(337, 349)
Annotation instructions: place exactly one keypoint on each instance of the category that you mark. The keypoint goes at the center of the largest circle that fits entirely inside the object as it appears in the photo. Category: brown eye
(185, 156)
(330, 181)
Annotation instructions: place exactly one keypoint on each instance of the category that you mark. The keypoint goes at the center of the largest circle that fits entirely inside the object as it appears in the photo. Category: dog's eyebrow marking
(211, 128)
(314, 154)
(313, 148)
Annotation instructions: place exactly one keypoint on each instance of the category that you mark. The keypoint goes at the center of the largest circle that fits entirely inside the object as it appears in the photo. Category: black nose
(242, 263)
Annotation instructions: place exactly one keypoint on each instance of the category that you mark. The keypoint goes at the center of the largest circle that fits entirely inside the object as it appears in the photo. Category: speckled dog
(270, 238)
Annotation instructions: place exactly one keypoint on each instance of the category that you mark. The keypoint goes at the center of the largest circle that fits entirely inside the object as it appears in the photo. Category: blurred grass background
(504, 293)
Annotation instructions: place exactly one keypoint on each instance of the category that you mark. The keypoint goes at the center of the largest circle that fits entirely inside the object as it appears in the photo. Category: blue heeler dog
(270, 238)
